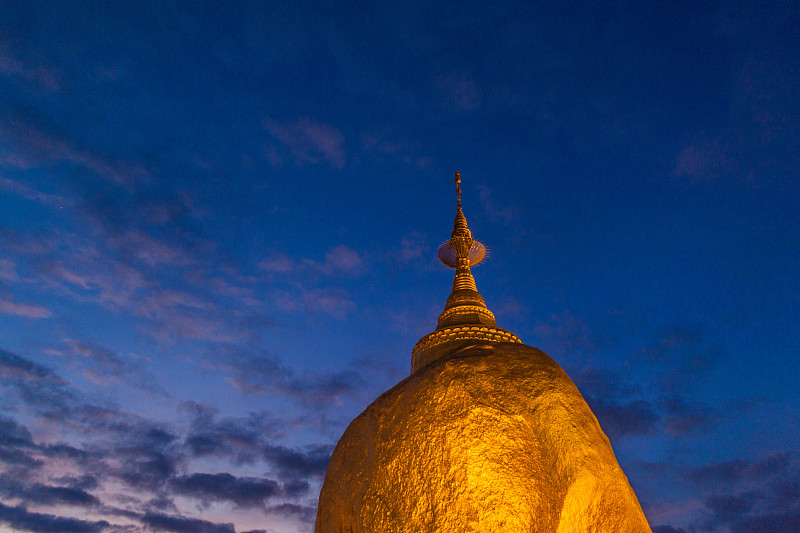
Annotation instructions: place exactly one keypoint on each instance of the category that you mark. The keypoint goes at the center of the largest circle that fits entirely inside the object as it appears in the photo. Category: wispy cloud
(173, 324)
(279, 262)
(130, 279)
(700, 162)
(756, 496)
(125, 465)
(300, 295)
(506, 214)
(41, 146)
(148, 249)
(460, 91)
(681, 355)
(339, 260)
(8, 270)
(618, 405)
(25, 310)
(21, 189)
(180, 524)
(106, 367)
(223, 287)
(673, 340)
(21, 519)
(729, 473)
(306, 141)
(239, 438)
(304, 513)
(46, 76)
(242, 492)
(157, 301)
(412, 247)
(662, 400)
(682, 417)
(382, 146)
(266, 375)
(567, 333)
(342, 260)
(668, 529)
(34, 384)
(293, 463)
(46, 494)
(332, 302)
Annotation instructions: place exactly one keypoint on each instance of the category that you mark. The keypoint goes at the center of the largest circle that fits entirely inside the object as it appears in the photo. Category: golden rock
(487, 435)
(494, 439)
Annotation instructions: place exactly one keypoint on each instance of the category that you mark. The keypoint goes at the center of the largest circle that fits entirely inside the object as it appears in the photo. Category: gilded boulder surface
(495, 438)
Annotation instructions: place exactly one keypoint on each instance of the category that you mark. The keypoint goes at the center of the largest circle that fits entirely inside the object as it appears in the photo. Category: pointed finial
(458, 187)
(461, 243)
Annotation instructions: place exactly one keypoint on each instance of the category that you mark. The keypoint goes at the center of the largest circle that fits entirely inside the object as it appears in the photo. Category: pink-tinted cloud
(414, 321)
(87, 273)
(683, 417)
(508, 306)
(57, 272)
(460, 91)
(227, 289)
(279, 262)
(156, 302)
(343, 260)
(8, 270)
(150, 250)
(14, 160)
(284, 301)
(105, 367)
(412, 246)
(98, 456)
(566, 333)
(28, 311)
(329, 301)
(49, 147)
(404, 151)
(497, 211)
(618, 405)
(106, 281)
(173, 324)
(332, 302)
(307, 142)
(19, 188)
(47, 77)
(266, 375)
(700, 162)
(673, 343)
(25, 244)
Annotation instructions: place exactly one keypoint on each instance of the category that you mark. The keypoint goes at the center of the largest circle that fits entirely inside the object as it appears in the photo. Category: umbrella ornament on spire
(461, 245)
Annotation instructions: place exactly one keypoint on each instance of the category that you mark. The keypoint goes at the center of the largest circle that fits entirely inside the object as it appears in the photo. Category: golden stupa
(486, 435)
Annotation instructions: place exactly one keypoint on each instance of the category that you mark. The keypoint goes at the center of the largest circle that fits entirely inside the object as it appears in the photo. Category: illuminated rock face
(495, 438)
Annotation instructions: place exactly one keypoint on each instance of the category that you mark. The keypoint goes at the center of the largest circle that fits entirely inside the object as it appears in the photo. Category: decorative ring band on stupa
(465, 320)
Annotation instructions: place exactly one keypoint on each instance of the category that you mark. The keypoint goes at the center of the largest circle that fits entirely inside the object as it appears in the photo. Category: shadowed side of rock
(496, 439)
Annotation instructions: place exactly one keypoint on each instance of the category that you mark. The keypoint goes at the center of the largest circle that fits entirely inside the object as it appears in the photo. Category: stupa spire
(461, 252)
(466, 320)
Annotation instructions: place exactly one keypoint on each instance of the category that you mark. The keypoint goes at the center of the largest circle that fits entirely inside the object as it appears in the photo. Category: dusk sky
(219, 223)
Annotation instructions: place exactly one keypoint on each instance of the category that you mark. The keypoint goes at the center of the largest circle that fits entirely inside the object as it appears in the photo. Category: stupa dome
(486, 435)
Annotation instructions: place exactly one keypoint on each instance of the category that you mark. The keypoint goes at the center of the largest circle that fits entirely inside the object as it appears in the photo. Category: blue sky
(218, 225)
